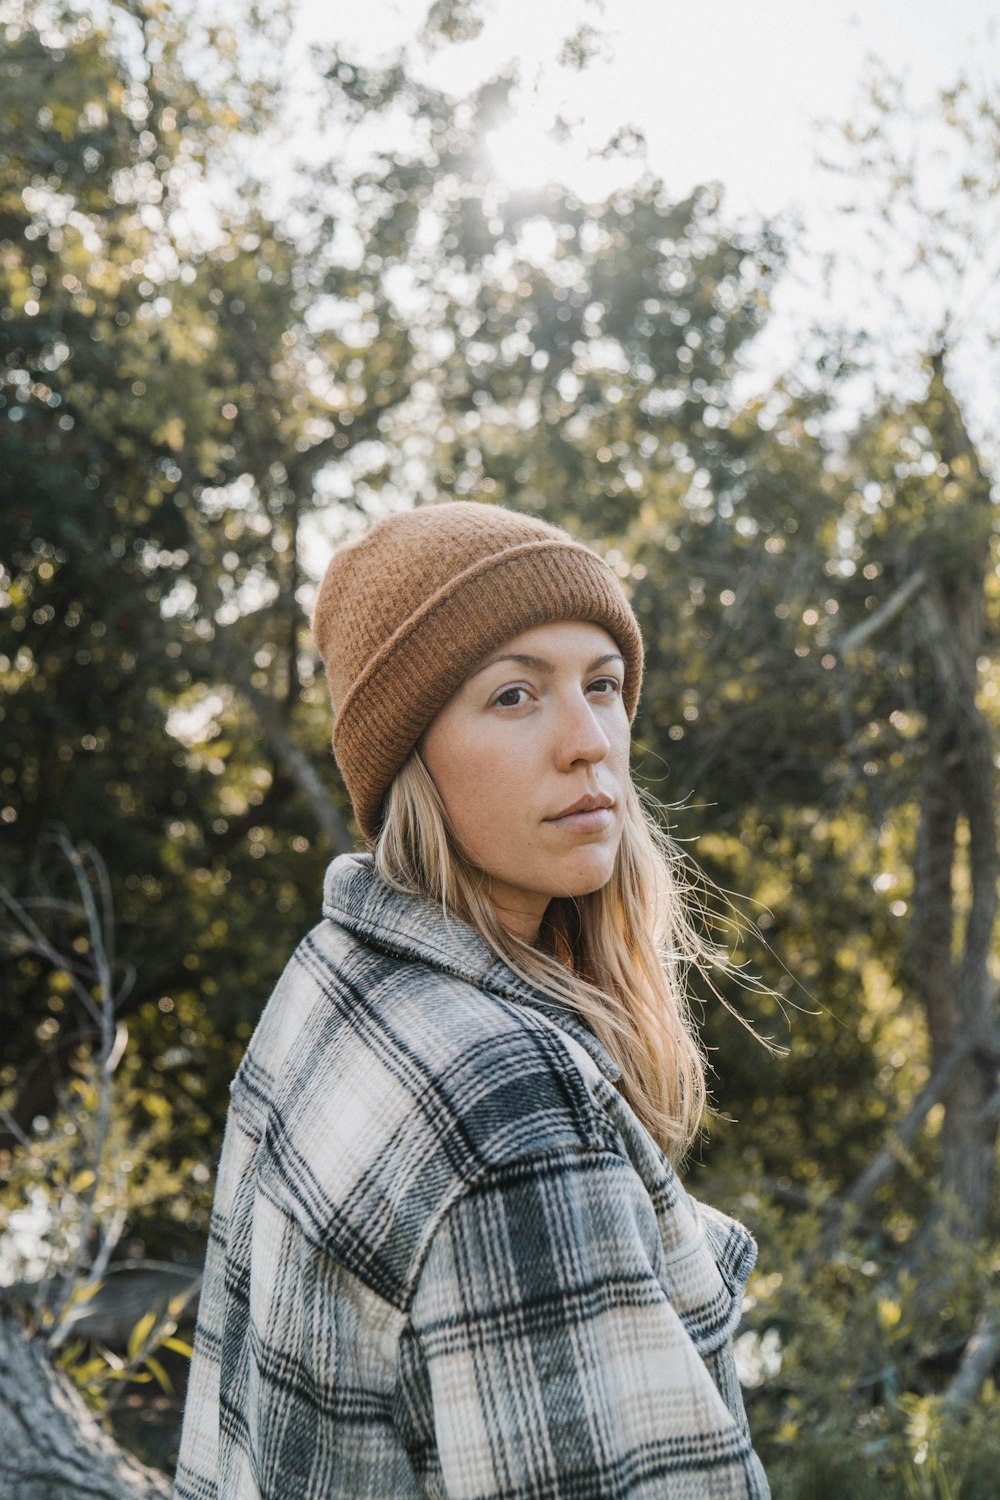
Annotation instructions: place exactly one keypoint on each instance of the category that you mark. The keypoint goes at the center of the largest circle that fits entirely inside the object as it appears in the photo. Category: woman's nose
(580, 736)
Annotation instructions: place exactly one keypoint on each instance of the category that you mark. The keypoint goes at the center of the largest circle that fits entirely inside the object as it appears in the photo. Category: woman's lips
(591, 813)
(589, 820)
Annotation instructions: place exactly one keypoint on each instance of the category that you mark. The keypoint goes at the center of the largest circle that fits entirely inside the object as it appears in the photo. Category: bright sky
(725, 90)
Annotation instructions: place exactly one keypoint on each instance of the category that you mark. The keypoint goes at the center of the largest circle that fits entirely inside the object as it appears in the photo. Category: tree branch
(294, 759)
(976, 1365)
(991, 1109)
(51, 1446)
(882, 1164)
(884, 615)
(270, 714)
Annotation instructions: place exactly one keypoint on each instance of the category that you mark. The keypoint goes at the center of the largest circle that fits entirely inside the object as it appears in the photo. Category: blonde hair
(619, 957)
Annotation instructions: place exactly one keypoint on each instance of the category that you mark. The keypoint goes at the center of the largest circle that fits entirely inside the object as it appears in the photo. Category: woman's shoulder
(382, 1087)
(442, 1050)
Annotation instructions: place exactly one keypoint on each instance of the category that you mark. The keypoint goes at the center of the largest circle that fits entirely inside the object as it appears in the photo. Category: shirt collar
(412, 927)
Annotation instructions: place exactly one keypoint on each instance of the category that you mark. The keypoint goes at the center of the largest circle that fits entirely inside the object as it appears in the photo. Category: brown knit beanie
(405, 614)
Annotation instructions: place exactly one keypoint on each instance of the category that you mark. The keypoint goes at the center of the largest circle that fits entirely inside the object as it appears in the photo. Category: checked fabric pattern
(446, 1260)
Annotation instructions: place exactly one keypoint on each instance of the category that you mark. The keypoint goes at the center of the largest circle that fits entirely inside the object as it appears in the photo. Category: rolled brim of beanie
(430, 655)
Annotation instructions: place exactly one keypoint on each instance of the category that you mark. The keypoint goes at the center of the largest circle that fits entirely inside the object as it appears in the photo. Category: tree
(933, 532)
(152, 399)
(76, 1185)
(927, 513)
(52, 1447)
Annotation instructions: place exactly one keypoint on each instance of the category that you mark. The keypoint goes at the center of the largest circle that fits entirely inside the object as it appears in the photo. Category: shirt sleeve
(556, 1363)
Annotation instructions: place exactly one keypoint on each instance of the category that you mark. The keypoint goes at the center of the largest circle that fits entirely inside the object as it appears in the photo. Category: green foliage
(100, 1374)
(848, 1360)
(145, 1171)
(156, 437)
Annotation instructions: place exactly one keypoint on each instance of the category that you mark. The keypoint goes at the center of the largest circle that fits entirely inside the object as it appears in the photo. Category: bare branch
(270, 716)
(884, 615)
(110, 1236)
(95, 902)
(976, 1365)
(40, 944)
(294, 759)
(14, 1128)
(991, 1109)
(883, 1163)
(99, 998)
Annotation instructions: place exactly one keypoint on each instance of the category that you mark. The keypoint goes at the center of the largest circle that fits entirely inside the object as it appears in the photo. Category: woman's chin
(589, 871)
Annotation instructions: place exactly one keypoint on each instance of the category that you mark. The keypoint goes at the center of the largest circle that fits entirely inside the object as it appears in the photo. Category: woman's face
(530, 758)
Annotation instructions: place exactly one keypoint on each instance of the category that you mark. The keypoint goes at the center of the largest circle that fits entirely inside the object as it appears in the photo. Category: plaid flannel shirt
(446, 1260)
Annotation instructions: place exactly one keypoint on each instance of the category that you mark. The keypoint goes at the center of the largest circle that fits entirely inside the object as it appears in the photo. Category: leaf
(179, 1346)
(140, 1333)
(84, 1292)
(162, 1378)
(69, 1354)
(889, 1313)
(179, 1302)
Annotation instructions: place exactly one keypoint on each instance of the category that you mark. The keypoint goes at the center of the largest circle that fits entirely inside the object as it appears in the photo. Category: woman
(450, 1255)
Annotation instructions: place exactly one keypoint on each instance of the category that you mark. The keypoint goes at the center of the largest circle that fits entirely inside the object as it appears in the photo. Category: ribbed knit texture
(405, 614)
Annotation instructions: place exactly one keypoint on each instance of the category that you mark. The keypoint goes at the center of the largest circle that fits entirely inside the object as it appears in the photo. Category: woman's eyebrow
(535, 663)
(539, 664)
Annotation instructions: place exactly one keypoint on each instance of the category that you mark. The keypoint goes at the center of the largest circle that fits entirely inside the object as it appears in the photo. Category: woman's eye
(608, 687)
(510, 698)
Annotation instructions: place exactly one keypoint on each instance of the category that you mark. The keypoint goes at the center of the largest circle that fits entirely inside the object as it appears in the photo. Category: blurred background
(714, 286)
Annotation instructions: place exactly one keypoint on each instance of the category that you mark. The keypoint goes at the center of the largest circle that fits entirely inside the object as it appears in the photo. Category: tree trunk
(952, 949)
(294, 759)
(51, 1446)
(933, 894)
